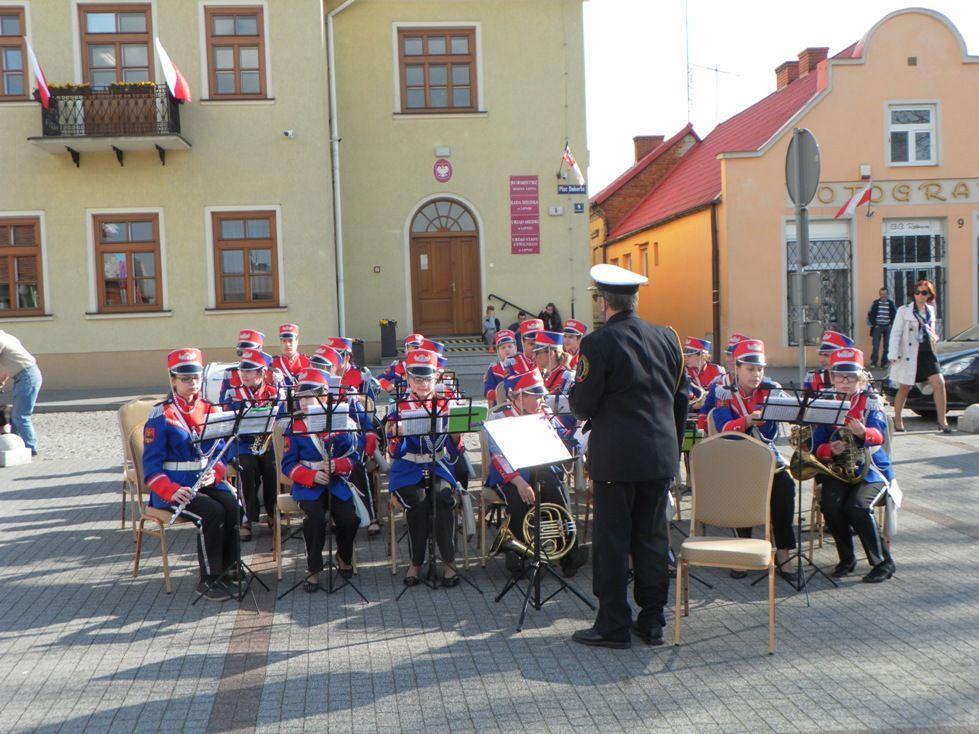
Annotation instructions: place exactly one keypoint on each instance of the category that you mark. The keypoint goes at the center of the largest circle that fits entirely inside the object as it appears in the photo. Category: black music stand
(803, 408)
(434, 426)
(238, 571)
(512, 436)
(330, 404)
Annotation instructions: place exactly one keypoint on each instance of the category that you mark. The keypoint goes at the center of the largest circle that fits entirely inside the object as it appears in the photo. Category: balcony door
(445, 282)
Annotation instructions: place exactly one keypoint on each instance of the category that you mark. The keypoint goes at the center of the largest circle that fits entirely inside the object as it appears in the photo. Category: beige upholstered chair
(156, 518)
(286, 508)
(732, 485)
(132, 414)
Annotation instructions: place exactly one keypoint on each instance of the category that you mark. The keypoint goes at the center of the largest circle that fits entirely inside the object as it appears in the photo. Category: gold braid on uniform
(679, 377)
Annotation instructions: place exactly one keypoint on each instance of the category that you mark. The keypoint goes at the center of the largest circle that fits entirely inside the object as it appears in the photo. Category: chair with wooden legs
(156, 518)
(395, 512)
(286, 508)
(132, 414)
(731, 477)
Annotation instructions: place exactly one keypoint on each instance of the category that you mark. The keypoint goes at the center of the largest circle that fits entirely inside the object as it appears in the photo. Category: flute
(198, 484)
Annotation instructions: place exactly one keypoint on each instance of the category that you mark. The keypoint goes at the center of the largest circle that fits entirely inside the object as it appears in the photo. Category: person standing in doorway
(880, 318)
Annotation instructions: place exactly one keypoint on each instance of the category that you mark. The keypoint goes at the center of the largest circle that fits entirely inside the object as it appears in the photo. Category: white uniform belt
(195, 465)
(317, 465)
(425, 458)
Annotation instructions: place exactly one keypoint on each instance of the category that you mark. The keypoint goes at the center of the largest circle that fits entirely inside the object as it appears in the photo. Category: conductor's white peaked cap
(614, 279)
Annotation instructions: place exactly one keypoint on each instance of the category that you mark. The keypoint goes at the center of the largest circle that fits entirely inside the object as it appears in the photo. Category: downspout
(335, 167)
(715, 277)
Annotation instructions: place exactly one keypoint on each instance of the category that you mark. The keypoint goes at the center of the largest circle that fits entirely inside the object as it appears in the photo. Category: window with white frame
(912, 134)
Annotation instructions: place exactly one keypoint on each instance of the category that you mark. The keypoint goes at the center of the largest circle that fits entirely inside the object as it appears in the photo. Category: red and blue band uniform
(818, 381)
(846, 505)
(408, 479)
(719, 386)
(289, 368)
(172, 459)
(501, 474)
(393, 380)
(495, 374)
(301, 459)
(257, 466)
(559, 381)
(359, 381)
(730, 414)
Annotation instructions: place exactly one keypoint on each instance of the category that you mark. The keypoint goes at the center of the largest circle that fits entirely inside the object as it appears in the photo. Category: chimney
(809, 58)
(646, 143)
(786, 74)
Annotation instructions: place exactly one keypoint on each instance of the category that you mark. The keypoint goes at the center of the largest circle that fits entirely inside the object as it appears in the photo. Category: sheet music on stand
(331, 414)
(456, 415)
(796, 406)
(527, 441)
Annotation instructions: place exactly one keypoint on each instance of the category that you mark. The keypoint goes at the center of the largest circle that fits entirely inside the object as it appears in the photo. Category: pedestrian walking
(19, 365)
(880, 318)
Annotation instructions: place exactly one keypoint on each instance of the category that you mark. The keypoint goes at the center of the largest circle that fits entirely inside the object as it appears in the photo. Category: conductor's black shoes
(880, 572)
(650, 635)
(591, 638)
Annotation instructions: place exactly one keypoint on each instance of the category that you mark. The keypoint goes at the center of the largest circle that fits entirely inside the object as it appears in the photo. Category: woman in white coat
(912, 352)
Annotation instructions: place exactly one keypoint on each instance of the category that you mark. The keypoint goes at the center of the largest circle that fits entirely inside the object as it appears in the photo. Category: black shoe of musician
(591, 638)
(792, 575)
(650, 635)
(844, 568)
(213, 590)
(738, 574)
(412, 581)
(450, 582)
(880, 572)
(346, 573)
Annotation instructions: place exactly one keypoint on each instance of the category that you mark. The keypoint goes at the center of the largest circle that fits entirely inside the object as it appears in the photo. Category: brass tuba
(849, 467)
(557, 534)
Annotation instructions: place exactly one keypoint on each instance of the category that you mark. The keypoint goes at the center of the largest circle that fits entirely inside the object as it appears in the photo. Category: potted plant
(66, 113)
(123, 108)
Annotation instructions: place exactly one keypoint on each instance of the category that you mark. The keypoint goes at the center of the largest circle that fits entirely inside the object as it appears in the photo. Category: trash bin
(389, 338)
(358, 352)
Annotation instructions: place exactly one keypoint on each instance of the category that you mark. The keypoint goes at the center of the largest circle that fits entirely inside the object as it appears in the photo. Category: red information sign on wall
(524, 215)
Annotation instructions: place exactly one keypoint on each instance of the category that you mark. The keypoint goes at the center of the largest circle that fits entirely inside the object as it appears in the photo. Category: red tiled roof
(853, 51)
(696, 180)
(641, 164)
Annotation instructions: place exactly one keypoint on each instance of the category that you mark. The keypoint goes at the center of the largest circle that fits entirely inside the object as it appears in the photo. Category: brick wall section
(644, 144)
(786, 74)
(623, 201)
(809, 58)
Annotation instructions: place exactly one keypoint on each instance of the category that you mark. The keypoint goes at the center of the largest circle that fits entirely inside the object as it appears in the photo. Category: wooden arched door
(444, 252)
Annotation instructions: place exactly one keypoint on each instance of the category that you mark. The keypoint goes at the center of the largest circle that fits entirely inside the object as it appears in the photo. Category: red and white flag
(569, 158)
(858, 199)
(42, 82)
(179, 87)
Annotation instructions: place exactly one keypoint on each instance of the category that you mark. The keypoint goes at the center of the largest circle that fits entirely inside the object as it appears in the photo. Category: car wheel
(929, 414)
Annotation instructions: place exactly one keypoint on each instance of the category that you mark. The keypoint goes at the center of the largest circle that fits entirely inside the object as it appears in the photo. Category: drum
(214, 374)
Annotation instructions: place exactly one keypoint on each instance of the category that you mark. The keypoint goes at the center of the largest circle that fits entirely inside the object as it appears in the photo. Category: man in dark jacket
(631, 388)
(880, 317)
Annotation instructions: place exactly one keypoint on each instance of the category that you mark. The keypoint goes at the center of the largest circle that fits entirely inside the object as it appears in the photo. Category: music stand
(530, 442)
(216, 425)
(801, 408)
(329, 420)
(433, 421)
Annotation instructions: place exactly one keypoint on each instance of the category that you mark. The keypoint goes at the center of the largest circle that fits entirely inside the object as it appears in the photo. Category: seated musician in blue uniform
(173, 463)
(549, 355)
(506, 349)
(526, 393)
(720, 384)
(392, 380)
(848, 505)
(422, 467)
(319, 465)
(819, 379)
(289, 362)
(574, 330)
(254, 453)
(739, 409)
(528, 332)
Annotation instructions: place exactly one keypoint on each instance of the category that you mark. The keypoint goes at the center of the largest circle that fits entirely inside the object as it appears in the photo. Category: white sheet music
(527, 440)
(418, 422)
(785, 407)
(257, 420)
(219, 425)
(315, 419)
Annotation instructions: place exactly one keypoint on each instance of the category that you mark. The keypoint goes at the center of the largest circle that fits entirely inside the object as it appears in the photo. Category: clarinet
(198, 484)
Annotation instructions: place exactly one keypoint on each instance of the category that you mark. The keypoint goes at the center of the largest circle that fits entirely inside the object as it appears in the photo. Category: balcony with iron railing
(119, 119)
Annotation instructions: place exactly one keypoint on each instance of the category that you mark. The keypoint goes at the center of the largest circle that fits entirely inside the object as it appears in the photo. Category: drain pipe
(335, 167)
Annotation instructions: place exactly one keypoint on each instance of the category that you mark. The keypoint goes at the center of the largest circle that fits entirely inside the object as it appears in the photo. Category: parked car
(958, 356)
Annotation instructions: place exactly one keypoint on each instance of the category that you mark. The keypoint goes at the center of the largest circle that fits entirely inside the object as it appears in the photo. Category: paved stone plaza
(86, 647)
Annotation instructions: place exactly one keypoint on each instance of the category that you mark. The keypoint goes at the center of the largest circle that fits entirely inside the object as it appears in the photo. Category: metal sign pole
(801, 179)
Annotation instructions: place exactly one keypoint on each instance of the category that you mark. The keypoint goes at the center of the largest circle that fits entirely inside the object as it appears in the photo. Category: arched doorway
(444, 252)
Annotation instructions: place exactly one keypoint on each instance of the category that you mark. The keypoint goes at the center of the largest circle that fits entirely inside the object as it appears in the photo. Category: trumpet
(850, 466)
(700, 393)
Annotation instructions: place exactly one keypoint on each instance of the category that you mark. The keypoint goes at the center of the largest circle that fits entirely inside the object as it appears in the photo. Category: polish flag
(42, 82)
(179, 87)
(858, 199)
(569, 158)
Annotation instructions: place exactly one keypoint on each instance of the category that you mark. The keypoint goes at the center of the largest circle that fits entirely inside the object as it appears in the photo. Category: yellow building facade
(892, 111)
(130, 225)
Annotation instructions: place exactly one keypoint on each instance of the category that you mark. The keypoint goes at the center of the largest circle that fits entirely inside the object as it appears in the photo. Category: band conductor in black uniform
(631, 388)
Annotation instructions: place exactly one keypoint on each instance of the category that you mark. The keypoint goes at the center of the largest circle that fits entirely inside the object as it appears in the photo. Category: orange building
(716, 233)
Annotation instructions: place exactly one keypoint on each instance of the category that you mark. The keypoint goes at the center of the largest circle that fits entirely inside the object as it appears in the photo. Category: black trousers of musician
(847, 505)
(630, 520)
(219, 513)
(314, 529)
(255, 471)
(783, 511)
(418, 504)
(362, 482)
(550, 491)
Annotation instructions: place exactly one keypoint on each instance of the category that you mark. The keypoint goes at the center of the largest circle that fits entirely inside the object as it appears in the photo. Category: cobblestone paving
(86, 647)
